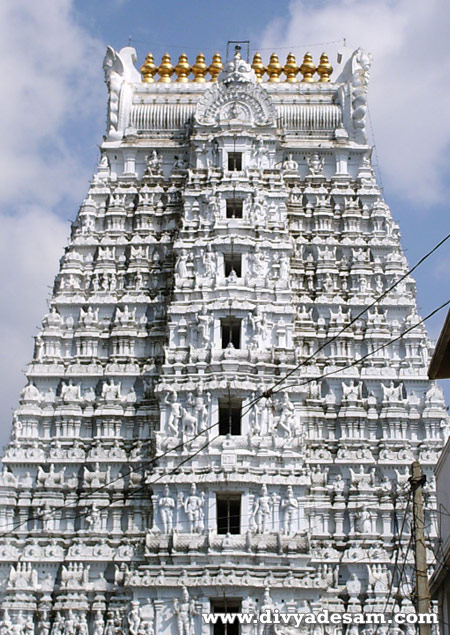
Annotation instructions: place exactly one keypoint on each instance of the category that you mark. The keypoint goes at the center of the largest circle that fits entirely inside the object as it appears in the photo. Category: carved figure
(154, 162)
(315, 164)
(290, 506)
(134, 619)
(289, 165)
(185, 612)
(353, 586)
(262, 511)
(175, 413)
(286, 420)
(193, 507)
(93, 519)
(166, 508)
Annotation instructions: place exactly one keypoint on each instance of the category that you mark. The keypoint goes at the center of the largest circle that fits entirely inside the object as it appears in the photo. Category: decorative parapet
(292, 96)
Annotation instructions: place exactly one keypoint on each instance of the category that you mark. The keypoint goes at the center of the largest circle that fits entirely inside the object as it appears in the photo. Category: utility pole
(417, 480)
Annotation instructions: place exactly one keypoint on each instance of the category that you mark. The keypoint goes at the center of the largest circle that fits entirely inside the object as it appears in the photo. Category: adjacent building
(440, 582)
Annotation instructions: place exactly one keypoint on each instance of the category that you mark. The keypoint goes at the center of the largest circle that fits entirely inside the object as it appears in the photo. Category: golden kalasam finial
(182, 69)
(200, 69)
(258, 67)
(165, 69)
(274, 69)
(307, 69)
(148, 69)
(324, 69)
(291, 69)
(215, 67)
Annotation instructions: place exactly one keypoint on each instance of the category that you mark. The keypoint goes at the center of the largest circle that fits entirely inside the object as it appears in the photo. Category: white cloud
(52, 92)
(51, 74)
(409, 92)
(30, 246)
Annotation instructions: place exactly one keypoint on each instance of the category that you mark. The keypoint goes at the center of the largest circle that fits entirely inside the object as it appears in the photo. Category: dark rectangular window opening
(231, 332)
(230, 416)
(228, 513)
(232, 262)
(234, 208)
(234, 161)
(225, 605)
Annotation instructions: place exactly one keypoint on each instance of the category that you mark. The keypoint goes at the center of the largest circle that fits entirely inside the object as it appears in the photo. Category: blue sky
(53, 105)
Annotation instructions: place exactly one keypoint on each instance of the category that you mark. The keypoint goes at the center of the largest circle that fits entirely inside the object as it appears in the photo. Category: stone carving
(119, 69)
(361, 63)
(235, 96)
(262, 512)
(290, 507)
(154, 161)
(315, 164)
(175, 413)
(362, 480)
(193, 506)
(184, 613)
(166, 505)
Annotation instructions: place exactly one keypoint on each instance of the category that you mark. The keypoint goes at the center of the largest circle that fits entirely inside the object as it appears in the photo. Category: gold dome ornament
(200, 69)
(148, 69)
(165, 69)
(182, 69)
(324, 69)
(274, 69)
(307, 69)
(215, 67)
(291, 69)
(258, 67)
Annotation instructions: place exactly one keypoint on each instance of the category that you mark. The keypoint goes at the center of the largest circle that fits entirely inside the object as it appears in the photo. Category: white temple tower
(196, 433)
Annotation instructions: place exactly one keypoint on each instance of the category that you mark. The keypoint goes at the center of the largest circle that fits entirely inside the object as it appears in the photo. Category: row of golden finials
(200, 69)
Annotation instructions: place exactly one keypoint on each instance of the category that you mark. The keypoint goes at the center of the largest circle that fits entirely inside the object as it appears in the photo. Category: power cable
(361, 313)
(45, 515)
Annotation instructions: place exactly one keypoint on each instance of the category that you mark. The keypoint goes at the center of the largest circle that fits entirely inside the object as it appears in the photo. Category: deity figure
(154, 162)
(353, 586)
(93, 519)
(290, 506)
(181, 267)
(193, 506)
(364, 522)
(262, 512)
(134, 618)
(286, 419)
(260, 157)
(338, 485)
(185, 612)
(289, 165)
(175, 413)
(99, 624)
(258, 263)
(261, 328)
(166, 506)
(315, 165)
(200, 407)
(204, 321)
(267, 606)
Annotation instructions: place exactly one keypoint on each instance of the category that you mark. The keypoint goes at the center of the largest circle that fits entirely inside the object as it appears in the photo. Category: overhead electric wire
(270, 391)
(396, 556)
(106, 485)
(361, 359)
(361, 313)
